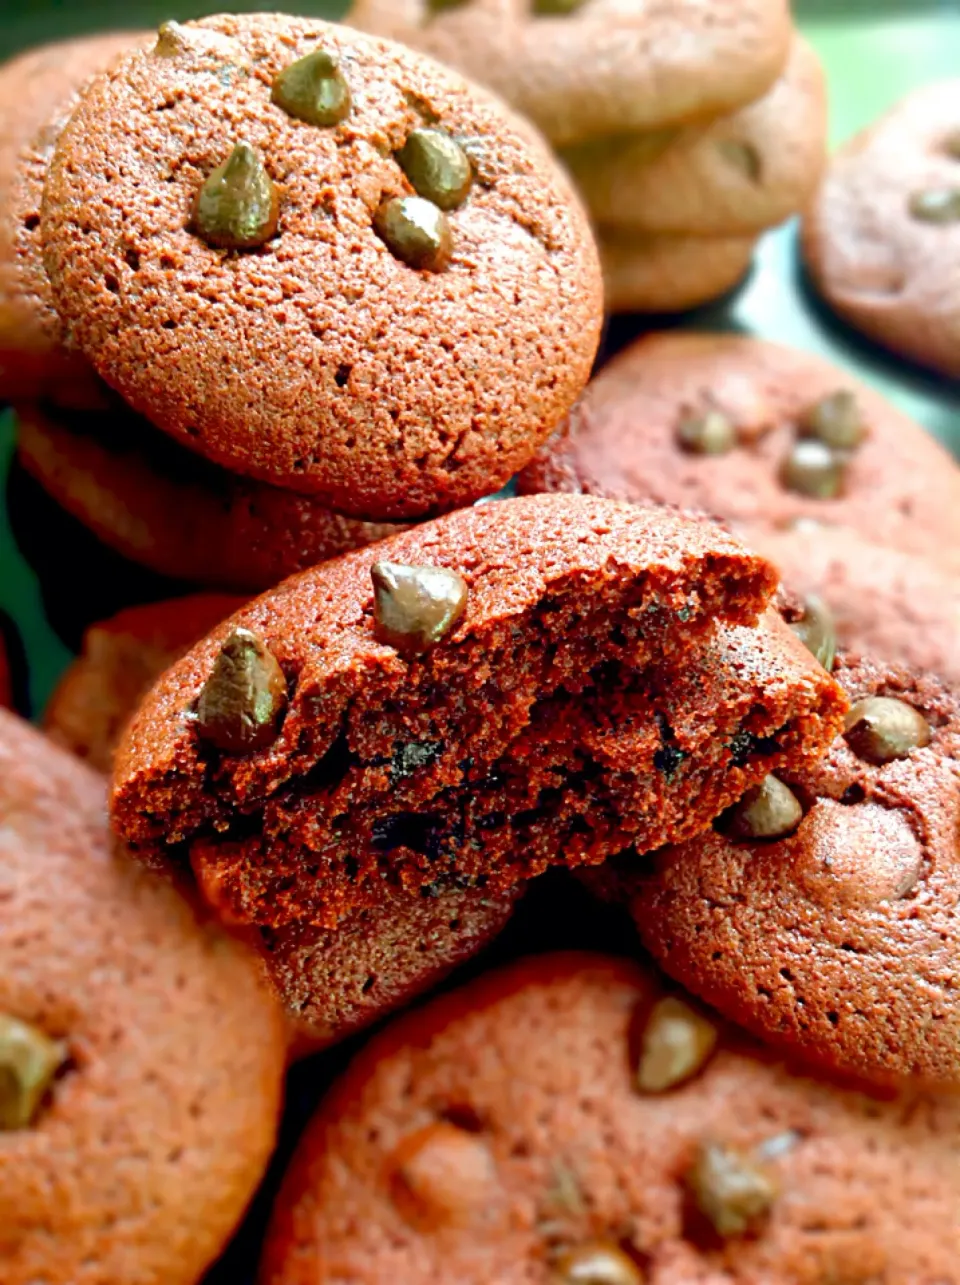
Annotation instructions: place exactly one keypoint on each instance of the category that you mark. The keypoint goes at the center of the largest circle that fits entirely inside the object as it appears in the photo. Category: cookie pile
(272, 286)
(689, 127)
(278, 296)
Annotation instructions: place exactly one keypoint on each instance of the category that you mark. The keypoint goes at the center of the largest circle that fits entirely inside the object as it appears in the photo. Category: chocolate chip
(597, 1263)
(415, 607)
(29, 1061)
(813, 469)
(238, 207)
(936, 205)
(437, 166)
(556, 8)
(732, 1191)
(951, 145)
(440, 6)
(314, 89)
(415, 231)
(769, 810)
(708, 433)
(442, 1175)
(835, 420)
(880, 729)
(675, 1043)
(742, 156)
(171, 40)
(242, 701)
(817, 631)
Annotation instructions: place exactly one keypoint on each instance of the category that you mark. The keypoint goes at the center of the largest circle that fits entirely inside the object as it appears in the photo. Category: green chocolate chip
(238, 207)
(242, 701)
(415, 231)
(314, 89)
(437, 167)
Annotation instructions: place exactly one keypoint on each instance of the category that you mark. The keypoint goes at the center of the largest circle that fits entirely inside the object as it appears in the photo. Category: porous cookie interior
(562, 734)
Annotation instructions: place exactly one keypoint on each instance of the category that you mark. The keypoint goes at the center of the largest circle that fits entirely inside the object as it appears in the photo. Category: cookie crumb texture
(321, 361)
(528, 735)
(142, 1155)
(497, 1136)
(839, 942)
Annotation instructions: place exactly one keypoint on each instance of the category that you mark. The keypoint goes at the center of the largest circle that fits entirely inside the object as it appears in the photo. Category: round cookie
(38, 91)
(898, 486)
(730, 177)
(600, 67)
(882, 238)
(670, 273)
(321, 361)
(893, 606)
(837, 941)
(501, 1134)
(167, 509)
(121, 660)
(142, 1057)
(477, 699)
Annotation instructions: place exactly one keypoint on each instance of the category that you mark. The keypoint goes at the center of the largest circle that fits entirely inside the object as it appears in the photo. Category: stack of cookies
(689, 128)
(278, 297)
(271, 288)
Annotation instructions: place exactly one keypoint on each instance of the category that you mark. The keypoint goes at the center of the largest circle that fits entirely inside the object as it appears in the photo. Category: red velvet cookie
(121, 660)
(882, 237)
(388, 305)
(759, 436)
(141, 1058)
(470, 701)
(585, 69)
(167, 509)
(331, 983)
(895, 607)
(834, 937)
(566, 1121)
(38, 91)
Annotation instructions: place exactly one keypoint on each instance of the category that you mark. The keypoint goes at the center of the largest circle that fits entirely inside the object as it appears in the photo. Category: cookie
(835, 938)
(541, 1124)
(467, 702)
(760, 436)
(334, 983)
(600, 67)
(38, 91)
(670, 273)
(121, 660)
(142, 1058)
(882, 238)
(167, 509)
(365, 345)
(729, 177)
(893, 606)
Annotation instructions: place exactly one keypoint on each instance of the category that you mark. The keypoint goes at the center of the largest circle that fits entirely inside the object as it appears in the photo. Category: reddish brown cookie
(141, 1059)
(321, 360)
(882, 238)
(169, 510)
(599, 67)
(893, 606)
(331, 983)
(837, 940)
(121, 660)
(718, 423)
(525, 735)
(666, 273)
(729, 177)
(38, 91)
(501, 1134)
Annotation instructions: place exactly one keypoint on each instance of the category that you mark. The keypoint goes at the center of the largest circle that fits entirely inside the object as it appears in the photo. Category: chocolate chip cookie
(760, 436)
(38, 91)
(322, 260)
(821, 912)
(172, 511)
(141, 1058)
(599, 67)
(566, 1120)
(882, 238)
